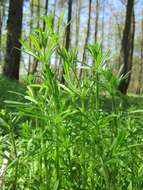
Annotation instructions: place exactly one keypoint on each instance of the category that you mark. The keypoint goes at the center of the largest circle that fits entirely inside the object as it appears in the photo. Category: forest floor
(7, 87)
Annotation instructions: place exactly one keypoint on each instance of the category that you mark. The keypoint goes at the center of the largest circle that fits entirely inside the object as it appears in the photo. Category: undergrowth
(6, 87)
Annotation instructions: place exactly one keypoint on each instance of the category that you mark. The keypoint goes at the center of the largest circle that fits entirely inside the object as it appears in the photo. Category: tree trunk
(102, 34)
(46, 10)
(35, 62)
(141, 62)
(78, 10)
(0, 32)
(96, 21)
(56, 64)
(127, 46)
(54, 14)
(14, 28)
(68, 31)
(31, 28)
(86, 38)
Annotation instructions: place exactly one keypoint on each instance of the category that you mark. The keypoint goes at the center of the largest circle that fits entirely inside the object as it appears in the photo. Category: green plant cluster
(60, 137)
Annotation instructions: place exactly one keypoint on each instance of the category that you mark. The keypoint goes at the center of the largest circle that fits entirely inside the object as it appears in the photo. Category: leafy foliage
(61, 137)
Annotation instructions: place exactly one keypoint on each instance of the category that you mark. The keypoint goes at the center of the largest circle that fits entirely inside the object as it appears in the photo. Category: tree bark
(31, 28)
(46, 11)
(138, 91)
(127, 46)
(86, 38)
(54, 14)
(78, 10)
(35, 62)
(68, 33)
(103, 18)
(0, 31)
(14, 29)
(96, 21)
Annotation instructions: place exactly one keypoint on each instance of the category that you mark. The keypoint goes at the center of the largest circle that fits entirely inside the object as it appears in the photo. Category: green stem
(97, 94)
(115, 127)
(15, 157)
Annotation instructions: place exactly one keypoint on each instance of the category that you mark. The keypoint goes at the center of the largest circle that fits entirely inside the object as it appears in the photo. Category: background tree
(14, 28)
(139, 86)
(31, 4)
(86, 37)
(3, 4)
(127, 46)
(0, 28)
(96, 20)
(102, 24)
(106, 26)
(46, 11)
(68, 32)
(68, 29)
(78, 11)
(38, 11)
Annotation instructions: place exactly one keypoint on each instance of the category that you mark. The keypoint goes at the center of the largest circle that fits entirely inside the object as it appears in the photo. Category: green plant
(65, 139)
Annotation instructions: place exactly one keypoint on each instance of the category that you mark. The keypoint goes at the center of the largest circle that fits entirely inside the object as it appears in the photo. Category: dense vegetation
(80, 135)
(67, 121)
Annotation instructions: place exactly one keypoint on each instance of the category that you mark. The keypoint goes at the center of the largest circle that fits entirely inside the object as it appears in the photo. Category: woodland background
(87, 21)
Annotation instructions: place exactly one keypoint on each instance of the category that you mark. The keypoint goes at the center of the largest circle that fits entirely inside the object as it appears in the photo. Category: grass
(6, 86)
(67, 136)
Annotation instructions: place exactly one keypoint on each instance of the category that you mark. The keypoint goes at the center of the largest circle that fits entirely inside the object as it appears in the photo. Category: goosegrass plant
(60, 137)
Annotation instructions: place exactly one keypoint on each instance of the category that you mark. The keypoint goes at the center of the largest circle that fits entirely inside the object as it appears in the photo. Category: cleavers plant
(61, 136)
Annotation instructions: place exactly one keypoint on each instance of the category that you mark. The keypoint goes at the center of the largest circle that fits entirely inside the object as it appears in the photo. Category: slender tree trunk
(35, 62)
(31, 28)
(118, 40)
(127, 46)
(102, 26)
(96, 21)
(68, 33)
(46, 11)
(0, 32)
(109, 34)
(38, 13)
(103, 18)
(141, 62)
(86, 38)
(78, 10)
(14, 27)
(56, 64)
(96, 24)
(54, 13)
